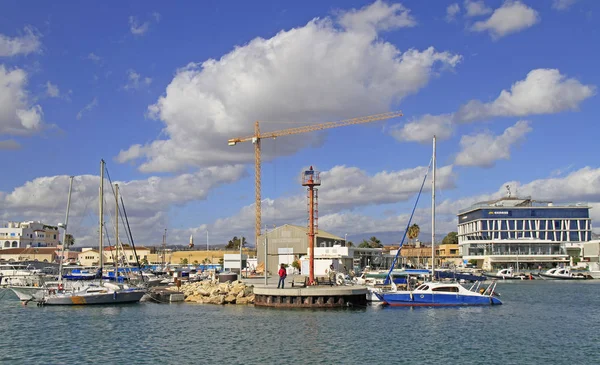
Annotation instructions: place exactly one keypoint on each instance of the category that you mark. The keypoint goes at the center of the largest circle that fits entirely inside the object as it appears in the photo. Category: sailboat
(36, 287)
(98, 292)
(437, 293)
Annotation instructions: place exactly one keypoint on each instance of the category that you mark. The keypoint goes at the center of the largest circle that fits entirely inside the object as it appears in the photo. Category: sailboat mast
(433, 214)
(62, 255)
(117, 233)
(101, 216)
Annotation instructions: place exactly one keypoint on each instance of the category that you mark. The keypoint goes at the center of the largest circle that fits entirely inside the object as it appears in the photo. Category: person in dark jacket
(282, 276)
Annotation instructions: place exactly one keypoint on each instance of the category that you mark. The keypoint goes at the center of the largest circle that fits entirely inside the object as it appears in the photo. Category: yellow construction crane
(285, 132)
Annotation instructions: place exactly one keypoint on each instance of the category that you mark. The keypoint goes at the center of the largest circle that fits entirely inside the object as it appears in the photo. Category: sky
(156, 89)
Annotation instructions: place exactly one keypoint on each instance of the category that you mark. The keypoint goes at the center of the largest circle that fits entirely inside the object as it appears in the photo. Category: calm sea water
(541, 322)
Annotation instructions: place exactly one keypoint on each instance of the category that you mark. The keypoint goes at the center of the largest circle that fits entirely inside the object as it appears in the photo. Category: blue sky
(156, 89)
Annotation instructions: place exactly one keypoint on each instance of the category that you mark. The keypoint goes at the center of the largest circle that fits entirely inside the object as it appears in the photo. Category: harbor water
(540, 322)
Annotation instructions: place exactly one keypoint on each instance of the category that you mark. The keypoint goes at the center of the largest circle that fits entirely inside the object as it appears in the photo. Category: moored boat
(437, 294)
(509, 274)
(565, 274)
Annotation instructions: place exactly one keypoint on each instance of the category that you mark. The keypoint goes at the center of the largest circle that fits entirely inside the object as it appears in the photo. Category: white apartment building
(28, 234)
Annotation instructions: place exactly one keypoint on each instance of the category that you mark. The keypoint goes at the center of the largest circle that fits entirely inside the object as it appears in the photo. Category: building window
(15, 244)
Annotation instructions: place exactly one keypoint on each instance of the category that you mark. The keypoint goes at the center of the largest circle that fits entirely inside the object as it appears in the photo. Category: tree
(69, 240)
(144, 261)
(364, 244)
(451, 238)
(296, 264)
(184, 261)
(195, 262)
(373, 242)
(234, 243)
(349, 244)
(413, 231)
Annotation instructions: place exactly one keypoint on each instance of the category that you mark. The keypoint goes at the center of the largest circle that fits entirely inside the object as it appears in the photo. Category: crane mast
(257, 136)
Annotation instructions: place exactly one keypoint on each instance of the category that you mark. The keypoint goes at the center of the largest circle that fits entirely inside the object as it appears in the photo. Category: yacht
(565, 274)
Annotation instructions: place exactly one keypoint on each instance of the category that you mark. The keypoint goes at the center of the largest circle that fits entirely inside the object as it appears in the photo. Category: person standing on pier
(282, 276)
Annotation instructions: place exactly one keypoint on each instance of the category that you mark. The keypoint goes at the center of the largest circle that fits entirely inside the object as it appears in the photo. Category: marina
(363, 182)
(152, 331)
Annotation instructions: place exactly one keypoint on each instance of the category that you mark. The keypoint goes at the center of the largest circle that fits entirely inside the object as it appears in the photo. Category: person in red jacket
(282, 276)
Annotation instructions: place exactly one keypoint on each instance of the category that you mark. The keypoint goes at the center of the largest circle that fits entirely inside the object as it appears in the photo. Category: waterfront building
(511, 232)
(41, 254)
(28, 234)
(288, 242)
(447, 255)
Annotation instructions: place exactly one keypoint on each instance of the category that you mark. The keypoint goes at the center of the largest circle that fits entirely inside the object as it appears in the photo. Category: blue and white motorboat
(437, 294)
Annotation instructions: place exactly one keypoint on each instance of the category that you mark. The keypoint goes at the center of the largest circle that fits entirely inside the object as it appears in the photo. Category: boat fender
(115, 295)
(411, 297)
(60, 287)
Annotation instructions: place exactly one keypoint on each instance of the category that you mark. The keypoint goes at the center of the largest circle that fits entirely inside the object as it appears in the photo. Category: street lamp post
(346, 239)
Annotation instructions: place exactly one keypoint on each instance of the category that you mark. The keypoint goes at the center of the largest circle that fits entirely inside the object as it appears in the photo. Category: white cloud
(562, 4)
(343, 188)
(485, 149)
(140, 29)
(147, 201)
(578, 186)
(52, 90)
(91, 105)
(17, 115)
(376, 17)
(94, 58)
(544, 91)
(25, 44)
(9, 145)
(135, 81)
(313, 73)
(511, 17)
(476, 8)
(581, 186)
(451, 12)
(136, 28)
(424, 128)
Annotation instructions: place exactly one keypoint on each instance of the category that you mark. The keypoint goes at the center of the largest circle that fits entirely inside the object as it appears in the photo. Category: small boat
(437, 294)
(106, 293)
(565, 274)
(509, 274)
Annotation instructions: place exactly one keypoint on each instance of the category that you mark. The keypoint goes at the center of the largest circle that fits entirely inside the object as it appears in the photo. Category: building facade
(522, 232)
(28, 234)
(288, 242)
(41, 254)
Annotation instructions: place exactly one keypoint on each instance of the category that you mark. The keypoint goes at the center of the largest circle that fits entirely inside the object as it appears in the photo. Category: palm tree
(374, 242)
(413, 232)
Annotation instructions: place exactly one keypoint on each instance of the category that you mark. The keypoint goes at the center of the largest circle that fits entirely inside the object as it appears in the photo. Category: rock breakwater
(213, 292)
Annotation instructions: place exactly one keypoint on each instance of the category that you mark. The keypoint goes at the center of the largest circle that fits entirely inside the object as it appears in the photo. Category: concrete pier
(311, 297)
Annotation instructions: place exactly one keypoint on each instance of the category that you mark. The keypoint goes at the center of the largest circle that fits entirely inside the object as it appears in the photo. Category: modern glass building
(511, 231)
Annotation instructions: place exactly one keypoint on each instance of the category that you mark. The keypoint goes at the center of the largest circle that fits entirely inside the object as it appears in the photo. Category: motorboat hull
(559, 277)
(120, 297)
(516, 277)
(408, 299)
(27, 293)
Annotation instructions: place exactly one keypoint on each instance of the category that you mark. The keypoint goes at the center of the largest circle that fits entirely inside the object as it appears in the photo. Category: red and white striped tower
(311, 179)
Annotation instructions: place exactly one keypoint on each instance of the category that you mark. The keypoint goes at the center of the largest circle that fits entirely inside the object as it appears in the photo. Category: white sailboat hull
(116, 297)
